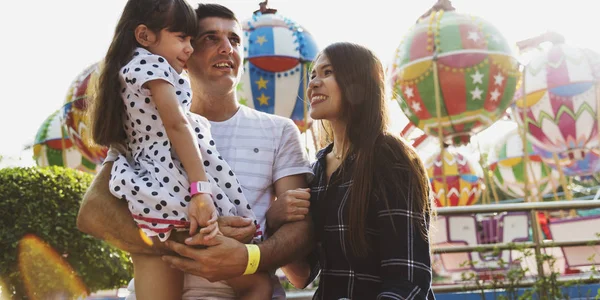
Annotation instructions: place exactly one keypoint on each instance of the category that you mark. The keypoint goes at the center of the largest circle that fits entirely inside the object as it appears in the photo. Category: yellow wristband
(253, 259)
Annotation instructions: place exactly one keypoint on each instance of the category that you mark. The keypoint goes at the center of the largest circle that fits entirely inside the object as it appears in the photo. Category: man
(264, 151)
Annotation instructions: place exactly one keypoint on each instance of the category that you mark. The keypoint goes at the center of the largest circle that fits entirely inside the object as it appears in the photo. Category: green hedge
(44, 202)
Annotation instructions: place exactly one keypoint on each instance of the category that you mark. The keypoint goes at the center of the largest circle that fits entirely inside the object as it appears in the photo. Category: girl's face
(323, 91)
(175, 47)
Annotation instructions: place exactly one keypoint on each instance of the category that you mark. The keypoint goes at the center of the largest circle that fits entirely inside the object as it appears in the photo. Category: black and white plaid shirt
(399, 265)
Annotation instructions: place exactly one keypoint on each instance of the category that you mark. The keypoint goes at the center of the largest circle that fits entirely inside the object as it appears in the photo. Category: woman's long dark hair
(382, 161)
(107, 110)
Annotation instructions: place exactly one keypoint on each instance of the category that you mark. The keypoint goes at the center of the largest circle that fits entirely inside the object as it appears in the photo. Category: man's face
(217, 56)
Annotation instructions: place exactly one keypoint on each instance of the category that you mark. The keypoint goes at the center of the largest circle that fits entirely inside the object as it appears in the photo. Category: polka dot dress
(151, 177)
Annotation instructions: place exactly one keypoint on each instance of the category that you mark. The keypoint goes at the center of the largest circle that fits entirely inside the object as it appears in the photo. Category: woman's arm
(404, 252)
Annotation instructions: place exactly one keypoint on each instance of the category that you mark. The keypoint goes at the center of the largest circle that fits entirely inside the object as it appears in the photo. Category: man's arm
(227, 258)
(106, 217)
(293, 207)
(297, 240)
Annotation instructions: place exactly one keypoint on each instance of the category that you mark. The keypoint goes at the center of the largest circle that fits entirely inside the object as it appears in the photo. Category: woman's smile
(317, 98)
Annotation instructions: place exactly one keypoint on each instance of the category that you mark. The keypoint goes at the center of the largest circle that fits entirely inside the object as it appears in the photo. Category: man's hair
(207, 10)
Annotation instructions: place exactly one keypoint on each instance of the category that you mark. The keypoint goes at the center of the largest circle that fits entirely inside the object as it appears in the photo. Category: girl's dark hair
(107, 110)
(382, 161)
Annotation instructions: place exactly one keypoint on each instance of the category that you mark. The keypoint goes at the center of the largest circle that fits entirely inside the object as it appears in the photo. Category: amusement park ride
(453, 75)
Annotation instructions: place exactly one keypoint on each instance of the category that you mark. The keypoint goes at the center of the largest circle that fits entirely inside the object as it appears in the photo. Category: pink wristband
(200, 187)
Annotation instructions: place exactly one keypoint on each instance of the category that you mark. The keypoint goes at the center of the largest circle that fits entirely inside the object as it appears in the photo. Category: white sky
(45, 44)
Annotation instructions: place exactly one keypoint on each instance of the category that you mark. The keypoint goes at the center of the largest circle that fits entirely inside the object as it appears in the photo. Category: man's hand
(241, 229)
(225, 258)
(288, 207)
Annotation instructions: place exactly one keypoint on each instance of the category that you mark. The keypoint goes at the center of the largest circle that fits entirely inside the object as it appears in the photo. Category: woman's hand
(290, 206)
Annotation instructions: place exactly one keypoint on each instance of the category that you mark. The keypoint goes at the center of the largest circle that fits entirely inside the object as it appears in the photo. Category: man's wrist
(253, 259)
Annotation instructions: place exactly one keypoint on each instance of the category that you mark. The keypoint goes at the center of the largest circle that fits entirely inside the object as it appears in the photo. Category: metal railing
(537, 243)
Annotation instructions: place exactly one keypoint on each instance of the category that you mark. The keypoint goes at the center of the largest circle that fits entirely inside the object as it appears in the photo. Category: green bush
(44, 202)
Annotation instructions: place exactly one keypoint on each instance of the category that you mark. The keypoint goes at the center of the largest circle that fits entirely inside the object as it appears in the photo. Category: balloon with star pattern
(277, 57)
(463, 176)
(52, 147)
(477, 75)
(560, 107)
(74, 117)
(507, 162)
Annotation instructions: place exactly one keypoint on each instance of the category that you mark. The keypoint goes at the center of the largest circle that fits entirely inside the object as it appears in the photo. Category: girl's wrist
(202, 197)
(200, 187)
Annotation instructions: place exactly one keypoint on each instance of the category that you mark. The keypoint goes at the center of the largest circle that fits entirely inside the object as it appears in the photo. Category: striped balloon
(278, 53)
(464, 178)
(506, 160)
(52, 147)
(418, 140)
(561, 106)
(74, 118)
(587, 181)
(580, 163)
(477, 75)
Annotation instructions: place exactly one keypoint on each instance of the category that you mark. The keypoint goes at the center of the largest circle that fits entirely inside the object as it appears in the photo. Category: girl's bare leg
(252, 287)
(155, 279)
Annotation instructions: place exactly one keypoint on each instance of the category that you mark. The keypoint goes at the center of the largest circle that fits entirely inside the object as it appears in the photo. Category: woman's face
(323, 91)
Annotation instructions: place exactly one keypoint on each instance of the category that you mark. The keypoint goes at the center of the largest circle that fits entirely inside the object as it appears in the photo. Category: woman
(370, 199)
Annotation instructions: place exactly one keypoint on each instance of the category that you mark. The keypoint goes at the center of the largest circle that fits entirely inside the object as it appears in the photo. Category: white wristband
(200, 187)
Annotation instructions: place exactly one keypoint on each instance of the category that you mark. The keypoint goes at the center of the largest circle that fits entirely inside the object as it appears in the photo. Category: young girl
(171, 175)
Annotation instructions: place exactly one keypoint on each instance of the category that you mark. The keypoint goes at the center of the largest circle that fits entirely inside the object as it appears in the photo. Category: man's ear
(144, 36)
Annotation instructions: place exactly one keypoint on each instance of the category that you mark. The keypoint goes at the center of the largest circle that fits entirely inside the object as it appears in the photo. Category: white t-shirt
(261, 149)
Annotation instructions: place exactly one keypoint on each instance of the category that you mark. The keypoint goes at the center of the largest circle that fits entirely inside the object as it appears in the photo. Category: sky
(46, 44)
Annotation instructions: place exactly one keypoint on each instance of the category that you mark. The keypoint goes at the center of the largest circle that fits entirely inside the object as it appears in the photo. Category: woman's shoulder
(393, 155)
(390, 146)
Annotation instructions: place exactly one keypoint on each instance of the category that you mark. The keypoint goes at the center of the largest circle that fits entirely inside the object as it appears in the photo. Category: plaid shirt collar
(323, 153)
